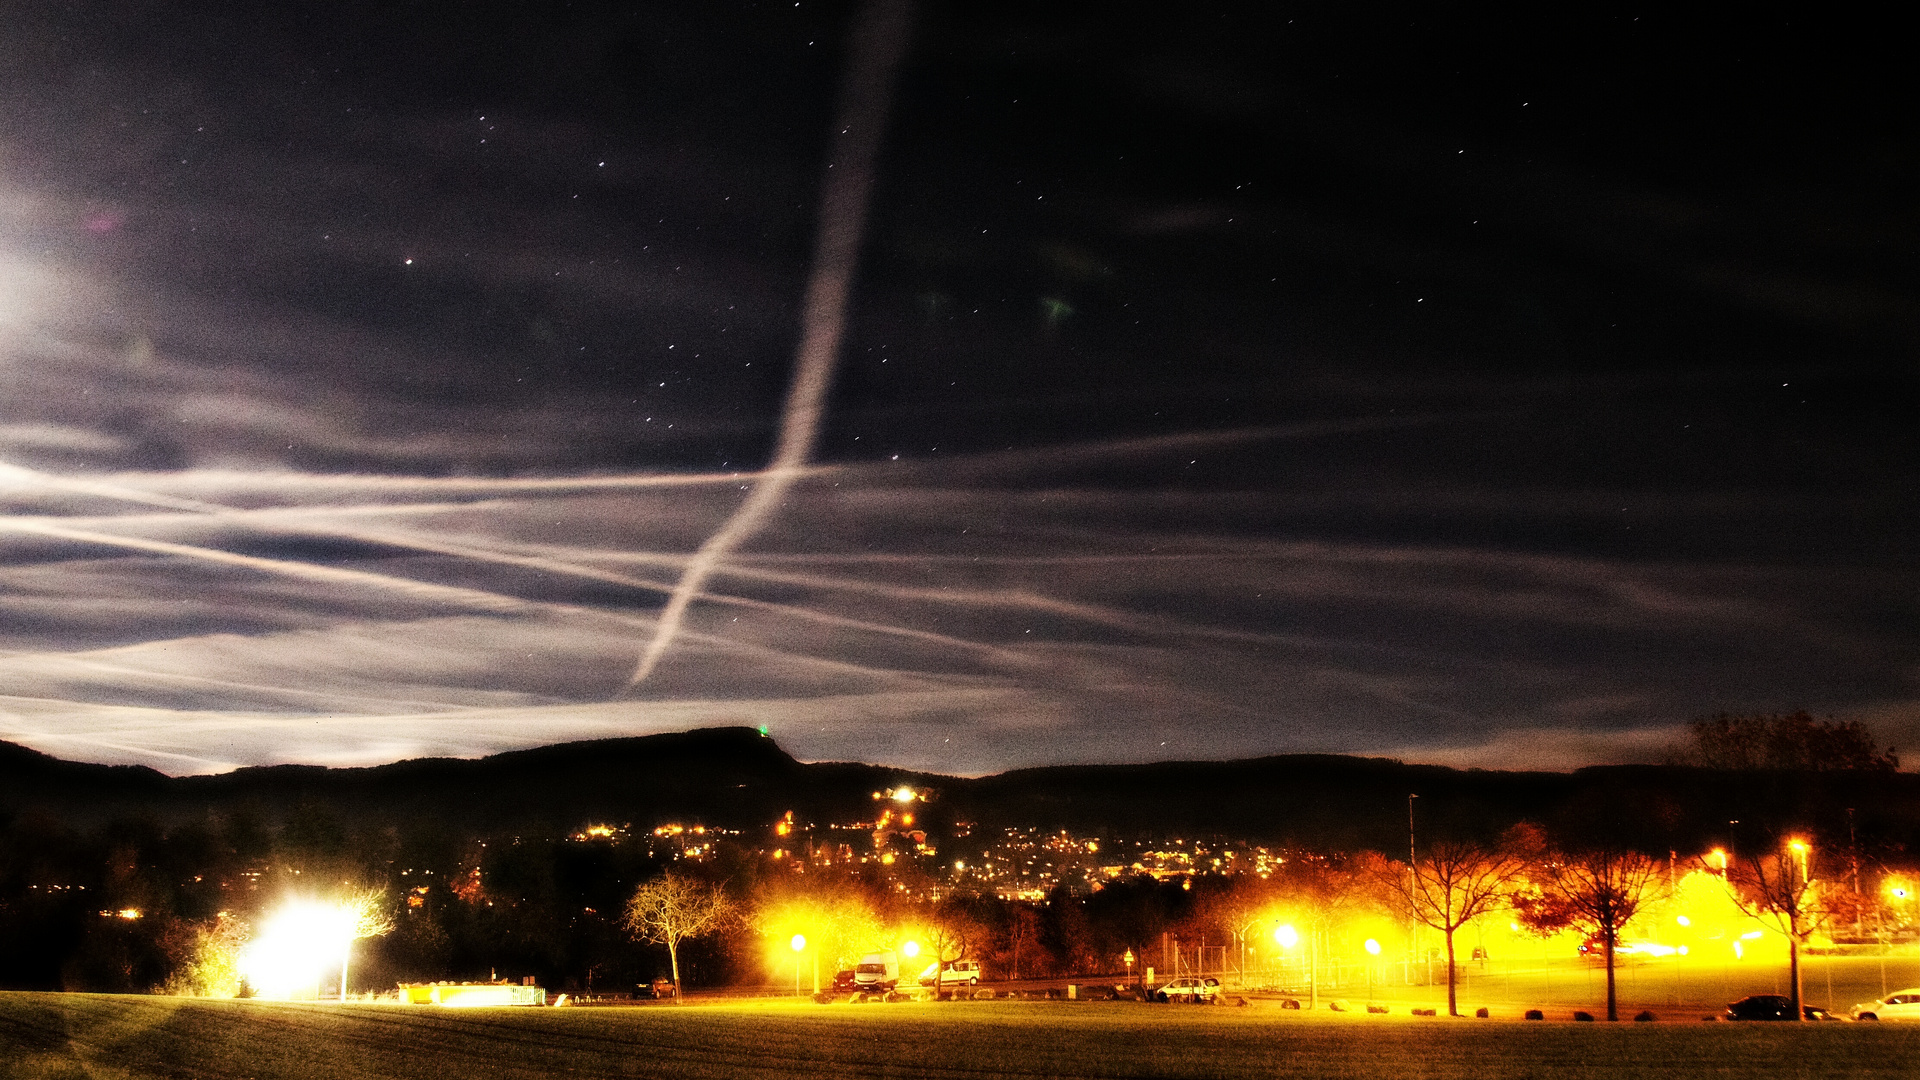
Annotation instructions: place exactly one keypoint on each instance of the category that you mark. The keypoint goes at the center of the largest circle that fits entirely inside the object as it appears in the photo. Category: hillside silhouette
(737, 778)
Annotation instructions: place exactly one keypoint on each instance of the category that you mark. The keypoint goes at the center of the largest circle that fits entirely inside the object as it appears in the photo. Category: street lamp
(1373, 954)
(1288, 937)
(1797, 895)
(799, 946)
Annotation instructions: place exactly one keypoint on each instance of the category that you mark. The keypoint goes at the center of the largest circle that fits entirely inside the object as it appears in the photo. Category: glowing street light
(1373, 950)
(295, 947)
(1286, 935)
(304, 938)
(799, 946)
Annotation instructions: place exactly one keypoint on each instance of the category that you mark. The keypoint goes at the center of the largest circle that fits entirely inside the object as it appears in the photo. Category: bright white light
(799, 942)
(296, 946)
(904, 794)
(911, 948)
(1373, 947)
(1286, 935)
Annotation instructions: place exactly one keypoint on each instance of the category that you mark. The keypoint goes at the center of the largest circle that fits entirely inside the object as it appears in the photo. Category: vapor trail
(879, 41)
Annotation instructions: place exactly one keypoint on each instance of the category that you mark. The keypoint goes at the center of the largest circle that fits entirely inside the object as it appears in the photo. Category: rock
(1645, 1017)
(1536, 1014)
(1480, 1013)
(1583, 1017)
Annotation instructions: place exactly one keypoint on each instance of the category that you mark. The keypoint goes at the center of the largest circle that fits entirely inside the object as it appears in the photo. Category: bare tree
(1796, 741)
(1022, 927)
(670, 909)
(363, 914)
(950, 932)
(1454, 883)
(1598, 891)
(1778, 886)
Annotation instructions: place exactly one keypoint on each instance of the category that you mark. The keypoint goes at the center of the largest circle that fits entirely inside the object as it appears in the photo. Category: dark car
(843, 982)
(1770, 1007)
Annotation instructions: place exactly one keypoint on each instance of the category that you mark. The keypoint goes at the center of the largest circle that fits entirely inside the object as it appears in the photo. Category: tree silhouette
(363, 914)
(670, 909)
(1596, 890)
(1777, 885)
(1796, 741)
(1454, 883)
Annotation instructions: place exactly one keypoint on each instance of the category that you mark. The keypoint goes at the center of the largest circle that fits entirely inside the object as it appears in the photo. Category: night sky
(1459, 385)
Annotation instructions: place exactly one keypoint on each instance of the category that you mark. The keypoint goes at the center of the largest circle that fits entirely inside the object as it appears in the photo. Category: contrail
(879, 42)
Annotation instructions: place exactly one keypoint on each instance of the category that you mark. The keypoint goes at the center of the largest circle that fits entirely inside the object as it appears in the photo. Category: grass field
(109, 1038)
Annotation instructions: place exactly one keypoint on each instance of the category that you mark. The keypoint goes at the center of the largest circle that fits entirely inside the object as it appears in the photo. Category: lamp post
(1286, 936)
(1413, 887)
(1242, 935)
(799, 946)
(1373, 953)
(1796, 894)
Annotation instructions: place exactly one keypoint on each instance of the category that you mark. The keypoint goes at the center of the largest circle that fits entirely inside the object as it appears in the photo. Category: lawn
(108, 1038)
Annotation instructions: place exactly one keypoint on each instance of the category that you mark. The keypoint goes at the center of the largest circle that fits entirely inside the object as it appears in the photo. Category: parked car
(1899, 1005)
(1770, 1007)
(953, 971)
(843, 982)
(1191, 988)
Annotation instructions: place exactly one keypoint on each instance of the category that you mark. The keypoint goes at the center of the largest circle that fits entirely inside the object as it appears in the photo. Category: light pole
(1413, 886)
(1373, 953)
(1801, 851)
(1286, 936)
(1242, 935)
(799, 946)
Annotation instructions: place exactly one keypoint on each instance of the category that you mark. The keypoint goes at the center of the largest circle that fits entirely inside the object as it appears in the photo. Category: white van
(877, 971)
(953, 971)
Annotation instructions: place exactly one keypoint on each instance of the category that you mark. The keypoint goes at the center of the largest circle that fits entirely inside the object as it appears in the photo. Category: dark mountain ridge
(738, 778)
